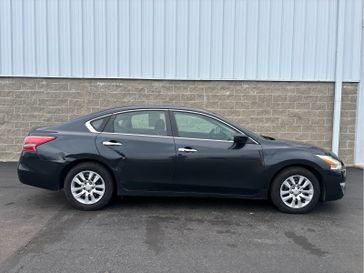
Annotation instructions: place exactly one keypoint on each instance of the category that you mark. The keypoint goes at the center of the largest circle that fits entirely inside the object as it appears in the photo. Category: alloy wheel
(296, 191)
(87, 187)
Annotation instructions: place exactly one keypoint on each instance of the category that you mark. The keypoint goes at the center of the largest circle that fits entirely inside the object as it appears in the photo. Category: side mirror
(239, 141)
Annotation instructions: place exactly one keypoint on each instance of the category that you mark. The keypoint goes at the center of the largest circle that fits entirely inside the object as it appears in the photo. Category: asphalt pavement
(40, 232)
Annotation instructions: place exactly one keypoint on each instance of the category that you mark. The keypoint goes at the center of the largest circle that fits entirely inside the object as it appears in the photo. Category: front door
(207, 159)
(139, 144)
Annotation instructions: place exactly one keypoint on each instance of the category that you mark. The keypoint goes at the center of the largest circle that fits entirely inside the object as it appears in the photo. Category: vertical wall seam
(222, 72)
(11, 37)
(152, 45)
(129, 56)
(328, 42)
(22, 37)
(82, 41)
(94, 38)
(270, 35)
(175, 39)
(141, 39)
(106, 71)
(118, 38)
(304, 49)
(1, 44)
(164, 37)
(245, 33)
(211, 41)
(199, 41)
(316, 38)
(59, 40)
(47, 37)
(350, 51)
(358, 7)
(106, 43)
(257, 40)
(70, 29)
(188, 40)
(293, 39)
(280, 45)
(234, 38)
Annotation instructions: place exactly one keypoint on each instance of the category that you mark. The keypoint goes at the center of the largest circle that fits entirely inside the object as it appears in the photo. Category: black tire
(101, 171)
(279, 180)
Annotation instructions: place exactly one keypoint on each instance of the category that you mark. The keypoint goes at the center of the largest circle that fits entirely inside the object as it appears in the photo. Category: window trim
(170, 124)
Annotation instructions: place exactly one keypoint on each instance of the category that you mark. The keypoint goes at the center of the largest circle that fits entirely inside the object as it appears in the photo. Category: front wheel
(88, 186)
(295, 190)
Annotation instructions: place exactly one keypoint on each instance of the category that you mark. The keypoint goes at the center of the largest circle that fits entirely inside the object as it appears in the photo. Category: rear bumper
(34, 171)
(335, 184)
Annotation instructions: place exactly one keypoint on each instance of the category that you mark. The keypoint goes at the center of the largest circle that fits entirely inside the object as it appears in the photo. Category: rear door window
(148, 122)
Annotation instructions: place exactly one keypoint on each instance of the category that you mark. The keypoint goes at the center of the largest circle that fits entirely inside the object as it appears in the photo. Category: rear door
(139, 144)
(208, 162)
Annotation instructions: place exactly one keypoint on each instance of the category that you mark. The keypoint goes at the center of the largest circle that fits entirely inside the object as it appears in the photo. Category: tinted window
(141, 122)
(199, 126)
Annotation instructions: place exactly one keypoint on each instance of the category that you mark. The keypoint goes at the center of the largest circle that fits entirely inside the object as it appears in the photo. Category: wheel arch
(308, 167)
(76, 162)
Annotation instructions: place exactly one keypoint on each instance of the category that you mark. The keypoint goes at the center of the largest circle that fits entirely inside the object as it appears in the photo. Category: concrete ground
(40, 232)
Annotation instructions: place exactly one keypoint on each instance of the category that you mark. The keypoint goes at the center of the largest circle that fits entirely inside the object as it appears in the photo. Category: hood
(300, 145)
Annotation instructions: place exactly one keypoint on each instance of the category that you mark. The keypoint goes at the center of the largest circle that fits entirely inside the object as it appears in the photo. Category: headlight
(334, 164)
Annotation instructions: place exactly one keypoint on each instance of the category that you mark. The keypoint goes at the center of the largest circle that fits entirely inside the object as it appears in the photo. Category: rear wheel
(295, 190)
(88, 186)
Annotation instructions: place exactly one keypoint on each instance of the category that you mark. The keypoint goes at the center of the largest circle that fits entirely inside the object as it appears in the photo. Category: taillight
(32, 142)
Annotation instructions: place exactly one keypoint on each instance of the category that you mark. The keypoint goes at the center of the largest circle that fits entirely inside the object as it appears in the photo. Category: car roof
(176, 107)
(153, 106)
(74, 124)
(113, 110)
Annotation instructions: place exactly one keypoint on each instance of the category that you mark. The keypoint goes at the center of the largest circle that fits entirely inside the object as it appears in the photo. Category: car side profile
(175, 151)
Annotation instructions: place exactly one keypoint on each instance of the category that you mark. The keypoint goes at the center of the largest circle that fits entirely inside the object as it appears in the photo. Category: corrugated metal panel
(178, 39)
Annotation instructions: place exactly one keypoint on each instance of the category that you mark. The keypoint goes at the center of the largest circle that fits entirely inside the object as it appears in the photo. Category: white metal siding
(178, 39)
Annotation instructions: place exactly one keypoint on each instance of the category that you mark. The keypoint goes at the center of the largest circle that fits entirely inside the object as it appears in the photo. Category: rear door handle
(187, 150)
(111, 143)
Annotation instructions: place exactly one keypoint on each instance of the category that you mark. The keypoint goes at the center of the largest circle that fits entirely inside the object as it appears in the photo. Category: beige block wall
(290, 110)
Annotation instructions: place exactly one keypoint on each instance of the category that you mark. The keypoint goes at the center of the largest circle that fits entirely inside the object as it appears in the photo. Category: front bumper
(343, 186)
(334, 184)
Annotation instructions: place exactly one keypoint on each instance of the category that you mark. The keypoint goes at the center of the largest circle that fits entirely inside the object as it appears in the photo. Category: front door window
(191, 125)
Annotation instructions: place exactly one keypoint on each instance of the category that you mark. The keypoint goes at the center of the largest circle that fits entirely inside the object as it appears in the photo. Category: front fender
(277, 160)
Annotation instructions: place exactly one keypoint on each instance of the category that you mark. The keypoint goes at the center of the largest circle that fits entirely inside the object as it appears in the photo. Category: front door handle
(187, 150)
(111, 143)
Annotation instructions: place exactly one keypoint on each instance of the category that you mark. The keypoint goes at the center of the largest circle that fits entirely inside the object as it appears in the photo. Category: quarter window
(199, 126)
(141, 122)
(99, 124)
